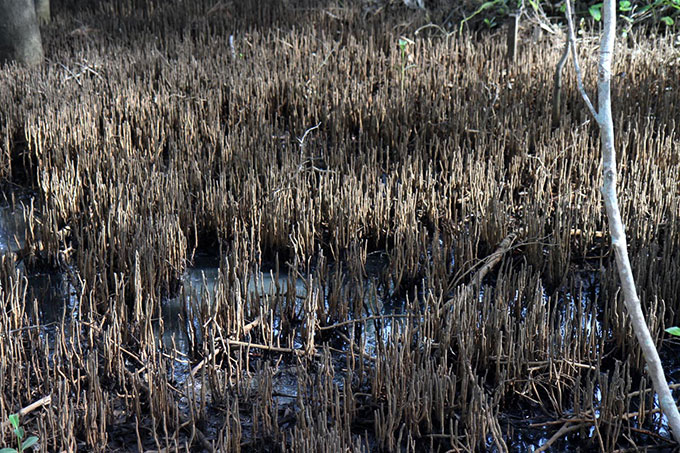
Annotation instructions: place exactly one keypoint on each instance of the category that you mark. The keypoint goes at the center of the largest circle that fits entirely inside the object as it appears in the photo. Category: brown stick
(638, 392)
(492, 260)
(356, 348)
(265, 347)
(245, 344)
(563, 431)
(44, 401)
(364, 319)
(489, 262)
(251, 325)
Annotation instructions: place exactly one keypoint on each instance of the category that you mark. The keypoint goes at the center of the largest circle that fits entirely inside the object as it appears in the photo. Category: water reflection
(13, 223)
(198, 289)
(199, 284)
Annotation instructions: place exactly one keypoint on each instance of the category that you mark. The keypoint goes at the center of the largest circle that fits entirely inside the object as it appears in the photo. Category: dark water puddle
(52, 289)
(180, 314)
(12, 228)
(15, 206)
(57, 298)
(198, 289)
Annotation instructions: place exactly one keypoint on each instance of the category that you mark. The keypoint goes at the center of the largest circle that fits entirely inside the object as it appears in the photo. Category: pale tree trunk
(42, 11)
(605, 121)
(19, 32)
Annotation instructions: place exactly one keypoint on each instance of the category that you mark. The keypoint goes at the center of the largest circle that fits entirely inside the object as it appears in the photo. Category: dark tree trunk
(19, 32)
(42, 11)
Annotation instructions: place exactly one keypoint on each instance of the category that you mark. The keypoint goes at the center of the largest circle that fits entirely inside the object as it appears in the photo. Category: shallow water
(199, 283)
(13, 225)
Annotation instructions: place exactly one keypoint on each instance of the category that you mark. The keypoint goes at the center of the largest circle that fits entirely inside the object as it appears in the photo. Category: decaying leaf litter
(302, 138)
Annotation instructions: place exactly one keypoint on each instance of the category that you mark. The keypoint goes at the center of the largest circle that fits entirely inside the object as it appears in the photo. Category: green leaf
(596, 11)
(19, 432)
(479, 10)
(675, 331)
(29, 442)
(486, 5)
(667, 20)
(624, 5)
(563, 8)
(14, 420)
(9, 450)
(490, 22)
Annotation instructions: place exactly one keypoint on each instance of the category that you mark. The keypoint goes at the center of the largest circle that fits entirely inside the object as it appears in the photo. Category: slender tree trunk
(19, 32)
(606, 123)
(42, 11)
(557, 88)
(513, 28)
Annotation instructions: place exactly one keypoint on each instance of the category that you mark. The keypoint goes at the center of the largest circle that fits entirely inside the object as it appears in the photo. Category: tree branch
(571, 37)
(618, 235)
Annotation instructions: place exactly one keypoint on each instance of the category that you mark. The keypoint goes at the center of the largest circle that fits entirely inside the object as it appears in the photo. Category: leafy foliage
(19, 433)
(675, 331)
(663, 13)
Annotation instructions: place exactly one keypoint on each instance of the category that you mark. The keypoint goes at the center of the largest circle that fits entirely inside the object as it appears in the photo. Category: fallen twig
(489, 262)
(245, 344)
(251, 325)
(364, 319)
(563, 431)
(44, 401)
(301, 140)
(638, 392)
(357, 350)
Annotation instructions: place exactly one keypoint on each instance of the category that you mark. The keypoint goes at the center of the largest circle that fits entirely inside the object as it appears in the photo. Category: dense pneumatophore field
(440, 277)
